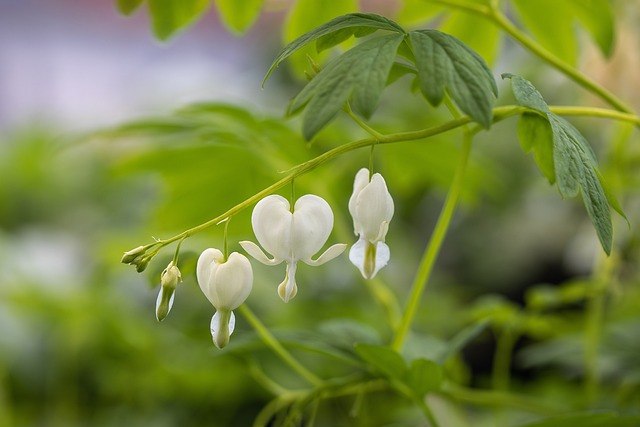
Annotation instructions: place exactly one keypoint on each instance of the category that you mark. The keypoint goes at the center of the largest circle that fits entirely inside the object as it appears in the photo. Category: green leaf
(534, 133)
(384, 360)
(444, 62)
(550, 22)
(169, 16)
(367, 20)
(575, 166)
(361, 73)
(526, 94)
(597, 17)
(239, 15)
(334, 39)
(590, 419)
(127, 7)
(574, 162)
(424, 376)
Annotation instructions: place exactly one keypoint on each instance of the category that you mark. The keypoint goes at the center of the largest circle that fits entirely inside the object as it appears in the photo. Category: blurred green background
(79, 343)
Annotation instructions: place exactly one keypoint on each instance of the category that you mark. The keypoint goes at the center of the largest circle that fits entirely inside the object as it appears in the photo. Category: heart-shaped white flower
(292, 235)
(226, 284)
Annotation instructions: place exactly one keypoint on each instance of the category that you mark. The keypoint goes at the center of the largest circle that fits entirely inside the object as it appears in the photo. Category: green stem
(433, 248)
(595, 112)
(493, 12)
(501, 399)
(271, 342)
(371, 131)
(428, 413)
(593, 328)
(501, 377)
(499, 114)
(501, 20)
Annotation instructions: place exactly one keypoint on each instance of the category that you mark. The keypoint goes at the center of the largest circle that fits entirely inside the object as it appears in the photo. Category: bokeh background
(79, 343)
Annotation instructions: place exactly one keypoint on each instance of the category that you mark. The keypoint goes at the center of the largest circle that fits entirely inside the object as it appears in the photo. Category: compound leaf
(445, 63)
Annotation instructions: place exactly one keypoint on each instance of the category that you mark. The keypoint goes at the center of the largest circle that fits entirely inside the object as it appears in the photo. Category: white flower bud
(292, 236)
(226, 284)
(168, 282)
(371, 207)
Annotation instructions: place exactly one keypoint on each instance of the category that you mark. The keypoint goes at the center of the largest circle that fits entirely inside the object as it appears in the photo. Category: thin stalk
(501, 371)
(433, 248)
(371, 131)
(271, 342)
(499, 114)
(503, 22)
(493, 13)
(593, 329)
(501, 399)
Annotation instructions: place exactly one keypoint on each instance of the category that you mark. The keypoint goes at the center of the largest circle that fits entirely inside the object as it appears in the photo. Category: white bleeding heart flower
(168, 282)
(226, 284)
(292, 235)
(371, 207)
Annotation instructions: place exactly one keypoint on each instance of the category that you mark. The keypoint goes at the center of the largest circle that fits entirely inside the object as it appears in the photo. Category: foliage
(415, 99)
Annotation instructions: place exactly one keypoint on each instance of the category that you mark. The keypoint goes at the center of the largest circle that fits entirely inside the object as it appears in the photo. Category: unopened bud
(141, 263)
(168, 282)
(131, 255)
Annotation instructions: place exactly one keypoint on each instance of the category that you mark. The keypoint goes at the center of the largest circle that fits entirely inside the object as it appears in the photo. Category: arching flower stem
(433, 247)
(270, 341)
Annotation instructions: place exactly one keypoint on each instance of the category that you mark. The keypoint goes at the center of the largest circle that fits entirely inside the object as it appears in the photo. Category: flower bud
(131, 255)
(168, 282)
(226, 284)
(371, 207)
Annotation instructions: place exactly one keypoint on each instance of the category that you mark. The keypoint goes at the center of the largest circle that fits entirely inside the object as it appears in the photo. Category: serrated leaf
(239, 15)
(590, 419)
(368, 20)
(170, 16)
(526, 94)
(549, 21)
(335, 38)
(424, 377)
(384, 360)
(445, 63)
(534, 134)
(597, 17)
(575, 166)
(127, 7)
(361, 73)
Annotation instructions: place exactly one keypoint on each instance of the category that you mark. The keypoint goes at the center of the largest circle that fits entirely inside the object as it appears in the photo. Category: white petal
(312, 224)
(271, 220)
(374, 206)
(232, 283)
(208, 263)
(369, 257)
(327, 255)
(222, 339)
(255, 251)
(288, 288)
(361, 181)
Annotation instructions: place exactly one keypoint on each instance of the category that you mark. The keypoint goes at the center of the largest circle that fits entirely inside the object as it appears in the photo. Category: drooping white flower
(371, 207)
(226, 284)
(168, 282)
(292, 235)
